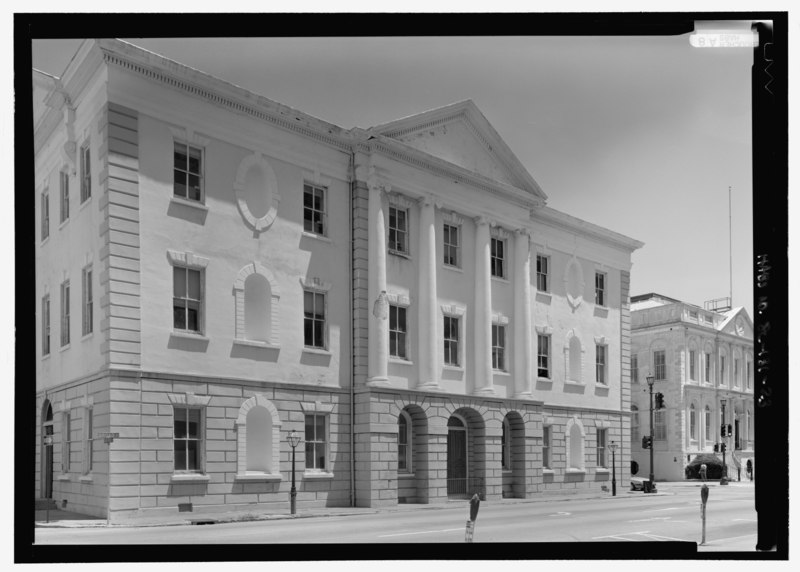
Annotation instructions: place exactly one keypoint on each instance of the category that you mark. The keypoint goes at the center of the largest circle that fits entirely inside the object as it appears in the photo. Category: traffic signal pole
(652, 475)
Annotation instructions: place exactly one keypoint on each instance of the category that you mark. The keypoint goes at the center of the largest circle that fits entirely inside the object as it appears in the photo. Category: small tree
(713, 467)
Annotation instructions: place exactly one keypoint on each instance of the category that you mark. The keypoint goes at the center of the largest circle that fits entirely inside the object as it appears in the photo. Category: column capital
(375, 183)
(481, 220)
(520, 232)
(429, 200)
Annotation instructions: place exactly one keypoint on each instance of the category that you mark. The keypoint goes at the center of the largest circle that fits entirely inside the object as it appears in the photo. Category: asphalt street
(730, 524)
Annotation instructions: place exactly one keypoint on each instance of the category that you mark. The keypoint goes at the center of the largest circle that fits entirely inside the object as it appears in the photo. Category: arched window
(505, 444)
(575, 355)
(404, 443)
(258, 429)
(708, 434)
(692, 423)
(575, 436)
(256, 299)
(257, 310)
(634, 424)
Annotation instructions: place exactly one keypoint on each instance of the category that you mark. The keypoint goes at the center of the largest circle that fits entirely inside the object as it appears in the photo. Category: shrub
(713, 467)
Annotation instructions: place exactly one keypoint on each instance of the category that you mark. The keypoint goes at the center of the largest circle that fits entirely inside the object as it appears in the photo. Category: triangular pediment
(461, 135)
(738, 323)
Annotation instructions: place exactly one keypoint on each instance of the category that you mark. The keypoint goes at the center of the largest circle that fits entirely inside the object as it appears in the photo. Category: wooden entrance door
(456, 461)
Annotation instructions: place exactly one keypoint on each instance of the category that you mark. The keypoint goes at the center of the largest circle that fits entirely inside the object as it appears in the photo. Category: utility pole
(650, 380)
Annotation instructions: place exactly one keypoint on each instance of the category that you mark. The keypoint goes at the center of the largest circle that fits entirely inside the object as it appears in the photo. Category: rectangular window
(64, 313)
(45, 214)
(498, 257)
(450, 340)
(452, 245)
(601, 447)
(660, 424)
(736, 371)
(693, 315)
(707, 367)
(546, 447)
(314, 319)
(397, 332)
(692, 360)
(635, 368)
(660, 363)
(46, 325)
(542, 273)
(86, 173)
(749, 373)
(398, 230)
(67, 443)
(89, 439)
(543, 355)
(186, 299)
(187, 172)
(314, 219)
(64, 180)
(722, 370)
(316, 442)
(600, 363)
(600, 288)
(187, 439)
(88, 301)
(498, 347)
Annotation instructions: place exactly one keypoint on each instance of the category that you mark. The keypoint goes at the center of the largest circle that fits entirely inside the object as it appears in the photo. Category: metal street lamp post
(294, 441)
(650, 380)
(613, 447)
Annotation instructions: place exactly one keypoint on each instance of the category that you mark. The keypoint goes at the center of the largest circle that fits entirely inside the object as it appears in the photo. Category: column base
(429, 386)
(523, 395)
(378, 382)
(484, 391)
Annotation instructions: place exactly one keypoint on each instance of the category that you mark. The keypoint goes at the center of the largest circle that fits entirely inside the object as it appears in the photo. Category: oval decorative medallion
(256, 190)
(573, 282)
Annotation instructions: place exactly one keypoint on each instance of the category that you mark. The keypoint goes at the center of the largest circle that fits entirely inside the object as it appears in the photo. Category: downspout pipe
(352, 332)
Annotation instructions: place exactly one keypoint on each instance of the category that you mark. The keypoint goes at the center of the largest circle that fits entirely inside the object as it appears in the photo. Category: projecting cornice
(559, 219)
(218, 92)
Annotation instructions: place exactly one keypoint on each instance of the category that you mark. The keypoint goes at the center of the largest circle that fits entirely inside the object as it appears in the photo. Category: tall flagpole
(730, 247)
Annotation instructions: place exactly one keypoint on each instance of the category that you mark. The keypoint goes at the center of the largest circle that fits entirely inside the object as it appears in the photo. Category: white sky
(641, 135)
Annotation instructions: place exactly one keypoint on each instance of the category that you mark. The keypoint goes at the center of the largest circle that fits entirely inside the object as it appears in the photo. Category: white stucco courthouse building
(702, 363)
(215, 270)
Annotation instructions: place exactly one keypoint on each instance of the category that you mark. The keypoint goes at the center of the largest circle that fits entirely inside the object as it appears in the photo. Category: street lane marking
(661, 538)
(734, 538)
(651, 519)
(745, 519)
(660, 509)
(560, 514)
(420, 532)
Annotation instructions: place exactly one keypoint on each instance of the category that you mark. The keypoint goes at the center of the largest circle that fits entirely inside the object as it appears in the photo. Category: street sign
(48, 440)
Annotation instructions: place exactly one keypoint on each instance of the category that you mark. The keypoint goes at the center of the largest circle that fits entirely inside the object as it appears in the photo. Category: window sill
(602, 470)
(63, 224)
(500, 372)
(316, 351)
(189, 478)
(575, 383)
(546, 296)
(501, 279)
(453, 268)
(256, 344)
(189, 336)
(45, 240)
(86, 479)
(405, 475)
(400, 254)
(87, 336)
(573, 471)
(64, 347)
(507, 471)
(601, 311)
(317, 475)
(399, 360)
(62, 477)
(544, 380)
(46, 356)
(84, 203)
(189, 203)
(447, 367)
(320, 237)
(260, 477)
(548, 472)
(601, 385)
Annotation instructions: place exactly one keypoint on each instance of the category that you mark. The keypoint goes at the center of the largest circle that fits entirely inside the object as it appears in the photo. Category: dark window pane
(180, 157)
(178, 315)
(308, 328)
(193, 460)
(192, 321)
(309, 454)
(180, 455)
(308, 303)
(319, 334)
(179, 423)
(194, 423)
(178, 282)
(320, 423)
(309, 428)
(193, 277)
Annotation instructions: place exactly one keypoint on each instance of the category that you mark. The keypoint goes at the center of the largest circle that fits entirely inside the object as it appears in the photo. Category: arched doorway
(466, 454)
(412, 455)
(47, 450)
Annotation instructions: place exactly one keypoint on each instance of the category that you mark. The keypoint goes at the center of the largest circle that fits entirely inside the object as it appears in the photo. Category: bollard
(703, 501)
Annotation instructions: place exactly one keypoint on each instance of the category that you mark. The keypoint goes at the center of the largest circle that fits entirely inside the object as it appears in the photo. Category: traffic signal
(716, 447)
(646, 442)
(724, 448)
(659, 401)
(722, 431)
(730, 429)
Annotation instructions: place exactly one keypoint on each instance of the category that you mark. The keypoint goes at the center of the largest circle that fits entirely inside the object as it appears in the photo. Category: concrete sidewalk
(65, 519)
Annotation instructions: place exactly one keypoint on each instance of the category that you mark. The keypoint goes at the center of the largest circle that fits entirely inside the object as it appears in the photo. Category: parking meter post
(703, 501)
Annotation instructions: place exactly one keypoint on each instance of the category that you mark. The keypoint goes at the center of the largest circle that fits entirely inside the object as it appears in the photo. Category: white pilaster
(378, 329)
(484, 382)
(522, 315)
(427, 307)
